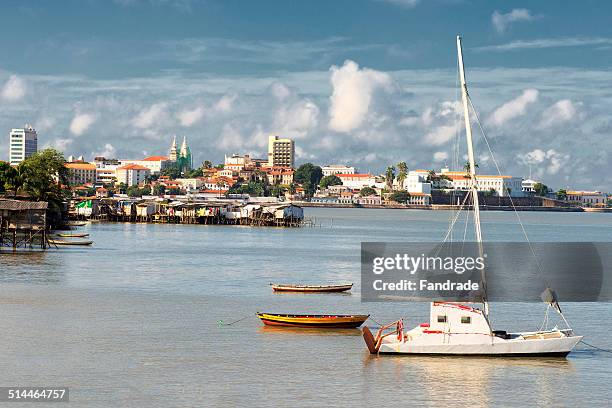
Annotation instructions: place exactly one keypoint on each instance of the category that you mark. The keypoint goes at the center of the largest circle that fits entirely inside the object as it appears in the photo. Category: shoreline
(435, 207)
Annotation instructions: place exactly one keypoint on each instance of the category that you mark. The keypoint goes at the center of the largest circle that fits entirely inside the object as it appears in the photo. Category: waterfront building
(237, 163)
(587, 198)
(416, 182)
(332, 169)
(280, 175)
(528, 186)
(155, 164)
(502, 186)
(23, 143)
(81, 173)
(419, 198)
(132, 174)
(357, 181)
(106, 170)
(369, 200)
(190, 184)
(281, 152)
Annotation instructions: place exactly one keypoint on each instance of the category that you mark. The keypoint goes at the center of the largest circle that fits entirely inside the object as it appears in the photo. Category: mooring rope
(595, 347)
(221, 323)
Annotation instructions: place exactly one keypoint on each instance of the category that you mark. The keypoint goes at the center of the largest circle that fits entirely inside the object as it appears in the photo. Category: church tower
(184, 160)
(173, 154)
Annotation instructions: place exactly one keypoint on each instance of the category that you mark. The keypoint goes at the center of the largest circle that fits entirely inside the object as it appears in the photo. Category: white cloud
(150, 116)
(502, 21)
(81, 122)
(352, 94)
(280, 91)
(190, 116)
(402, 3)
(296, 119)
(557, 114)
(545, 162)
(107, 151)
(440, 156)
(514, 108)
(547, 43)
(226, 103)
(442, 134)
(61, 144)
(14, 89)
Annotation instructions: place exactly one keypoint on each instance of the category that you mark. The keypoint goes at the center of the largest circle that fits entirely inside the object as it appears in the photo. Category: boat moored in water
(311, 288)
(462, 329)
(67, 242)
(68, 235)
(313, 321)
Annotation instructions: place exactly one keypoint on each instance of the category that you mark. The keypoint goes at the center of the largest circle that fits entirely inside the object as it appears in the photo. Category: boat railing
(398, 328)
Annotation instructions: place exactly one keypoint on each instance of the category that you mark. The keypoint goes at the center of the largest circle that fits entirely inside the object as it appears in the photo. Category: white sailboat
(464, 329)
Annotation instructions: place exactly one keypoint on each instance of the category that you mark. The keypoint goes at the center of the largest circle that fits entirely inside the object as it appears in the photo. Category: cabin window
(441, 318)
(466, 319)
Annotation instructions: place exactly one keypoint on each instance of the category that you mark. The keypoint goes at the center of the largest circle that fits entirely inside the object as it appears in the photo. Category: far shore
(451, 207)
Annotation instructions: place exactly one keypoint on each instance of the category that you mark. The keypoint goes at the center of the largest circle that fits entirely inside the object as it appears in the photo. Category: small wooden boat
(67, 235)
(314, 321)
(311, 288)
(66, 242)
(76, 223)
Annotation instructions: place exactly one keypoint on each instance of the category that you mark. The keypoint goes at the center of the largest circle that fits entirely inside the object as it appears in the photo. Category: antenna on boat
(472, 163)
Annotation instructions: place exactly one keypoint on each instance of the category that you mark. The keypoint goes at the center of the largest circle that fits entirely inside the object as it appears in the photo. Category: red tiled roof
(341, 175)
(155, 158)
(132, 167)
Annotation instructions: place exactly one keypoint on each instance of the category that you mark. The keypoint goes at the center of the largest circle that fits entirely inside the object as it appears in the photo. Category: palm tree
(466, 167)
(389, 176)
(402, 174)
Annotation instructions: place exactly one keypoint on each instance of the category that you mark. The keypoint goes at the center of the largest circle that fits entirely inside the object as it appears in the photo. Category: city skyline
(364, 99)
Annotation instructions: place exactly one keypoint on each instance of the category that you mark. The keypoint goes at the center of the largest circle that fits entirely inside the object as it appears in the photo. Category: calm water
(132, 321)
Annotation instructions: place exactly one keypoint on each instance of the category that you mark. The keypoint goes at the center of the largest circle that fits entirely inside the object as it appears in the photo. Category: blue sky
(368, 82)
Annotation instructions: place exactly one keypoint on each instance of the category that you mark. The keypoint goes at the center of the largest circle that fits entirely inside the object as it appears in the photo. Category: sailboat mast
(471, 161)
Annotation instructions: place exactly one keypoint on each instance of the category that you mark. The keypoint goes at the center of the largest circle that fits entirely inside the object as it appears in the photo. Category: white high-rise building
(23, 143)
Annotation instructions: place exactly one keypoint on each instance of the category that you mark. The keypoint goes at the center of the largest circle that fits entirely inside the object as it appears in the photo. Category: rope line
(221, 323)
(595, 347)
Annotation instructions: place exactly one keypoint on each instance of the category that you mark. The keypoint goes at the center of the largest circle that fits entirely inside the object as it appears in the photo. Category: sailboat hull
(525, 344)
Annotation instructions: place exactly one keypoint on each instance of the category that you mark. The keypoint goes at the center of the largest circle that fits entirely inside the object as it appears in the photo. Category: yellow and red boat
(316, 321)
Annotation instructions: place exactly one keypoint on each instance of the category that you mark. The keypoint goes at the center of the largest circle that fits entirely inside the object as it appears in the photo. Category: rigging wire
(484, 136)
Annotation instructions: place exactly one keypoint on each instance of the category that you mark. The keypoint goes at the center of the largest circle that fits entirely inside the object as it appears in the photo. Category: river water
(133, 320)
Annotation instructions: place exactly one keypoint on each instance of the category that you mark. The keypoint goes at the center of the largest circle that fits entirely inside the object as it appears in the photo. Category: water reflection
(31, 266)
(473, 381)
(307, 331)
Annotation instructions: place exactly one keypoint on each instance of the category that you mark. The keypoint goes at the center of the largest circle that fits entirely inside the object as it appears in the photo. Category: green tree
(389, 176)
(541, 189)
(466, 166)
(278, 190)
(400, 196)
(309, 176)
(173, 171)
(133, 191)
(43, 175)
(561, 194)
(253, 188)
(10, 179)
(194, 173)
(207, 164)
(332, 180)
(402, 173)
(367, 191)
(159, 189)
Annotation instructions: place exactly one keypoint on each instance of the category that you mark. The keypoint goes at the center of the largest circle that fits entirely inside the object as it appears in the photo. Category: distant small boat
(68, 235)
(313, 321)
(66, 242)
(311, 288)
(76, 223)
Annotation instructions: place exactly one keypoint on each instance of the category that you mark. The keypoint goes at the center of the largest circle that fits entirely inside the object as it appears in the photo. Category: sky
(362, 82)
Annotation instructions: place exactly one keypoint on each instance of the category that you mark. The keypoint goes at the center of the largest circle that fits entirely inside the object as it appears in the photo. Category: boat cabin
(447, 317)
